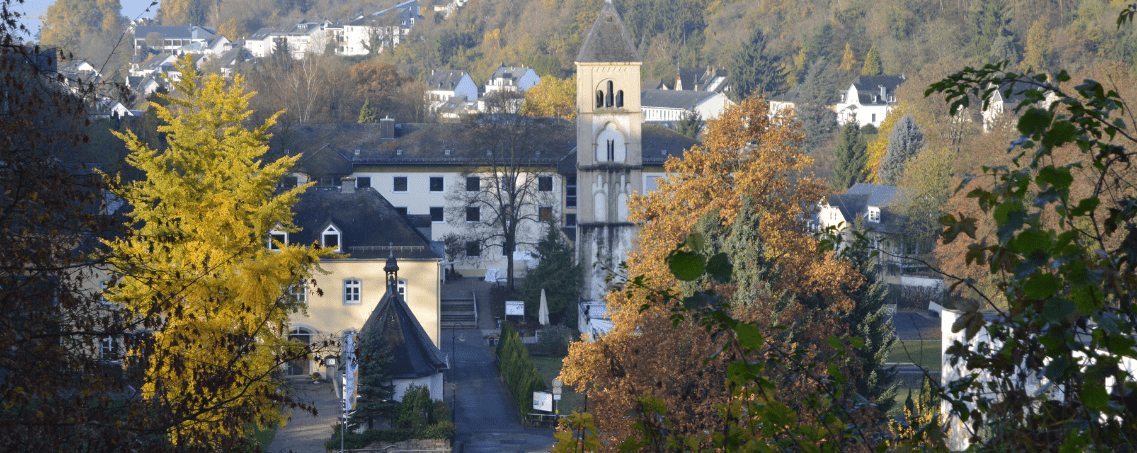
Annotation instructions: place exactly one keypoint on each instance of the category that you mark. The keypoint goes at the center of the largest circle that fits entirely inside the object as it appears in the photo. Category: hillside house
(868, 99)
(513, 79)
(446, 84)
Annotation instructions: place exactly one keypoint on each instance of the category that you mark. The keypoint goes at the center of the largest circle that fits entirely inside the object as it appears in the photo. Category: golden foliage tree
(746, 155)
(195, 270)
(552, 97)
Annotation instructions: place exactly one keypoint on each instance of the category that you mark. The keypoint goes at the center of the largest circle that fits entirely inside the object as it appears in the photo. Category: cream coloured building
(366, 229)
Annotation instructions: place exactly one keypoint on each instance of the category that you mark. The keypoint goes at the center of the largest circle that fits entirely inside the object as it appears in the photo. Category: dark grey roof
(512, 73)
(674, 99)
(393, 324)
(368, 224)
(608, 40)
(659, 142)
(789, 96)
(174, 32)
(442, 79)
(688, 77)
(879, 195)
(325, 162)
(868, 88)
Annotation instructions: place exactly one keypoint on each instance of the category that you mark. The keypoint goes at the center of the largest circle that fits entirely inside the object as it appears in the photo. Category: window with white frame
(873, 214)
(330, 238)
(277, 239)
(108, 348)
(352, 288)
(473, 184)
(103, 285)
(299, 292)
(403, 288)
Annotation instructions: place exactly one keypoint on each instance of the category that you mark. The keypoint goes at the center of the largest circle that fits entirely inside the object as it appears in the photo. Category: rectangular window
(570, 220)
(403, 288)
(473, 214)
(570, 192)
(545, 183)
(108, 348)
(351, 290)
(507, 182)
(332, 240)
(436, 214)
(652, 184)
(363, 181)
(275, 238)
(299, 292)
(400, 184)
(473, 249)
(401, 210)
(473, 184)
(545, 213)
(436, 184)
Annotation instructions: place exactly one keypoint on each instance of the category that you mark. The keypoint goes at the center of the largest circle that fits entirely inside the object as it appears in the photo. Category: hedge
(517, 370)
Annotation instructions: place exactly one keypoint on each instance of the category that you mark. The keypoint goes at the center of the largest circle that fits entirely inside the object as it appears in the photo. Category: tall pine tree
(558, 274)
(366, 114)
(754, 70)
(852, 152)
(818, 120)
(376, 394)
(905, 141)
(873, 65)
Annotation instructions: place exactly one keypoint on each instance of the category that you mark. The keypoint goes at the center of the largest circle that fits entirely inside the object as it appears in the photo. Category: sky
(132, 9)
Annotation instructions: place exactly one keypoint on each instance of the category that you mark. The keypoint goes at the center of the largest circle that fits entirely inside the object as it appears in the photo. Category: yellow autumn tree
(749, 173)
(879, 146)
(552, 97)
(194, 270)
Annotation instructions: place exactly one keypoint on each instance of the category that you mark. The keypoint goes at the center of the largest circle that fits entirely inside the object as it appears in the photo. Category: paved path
(484, 414)
(306, 433)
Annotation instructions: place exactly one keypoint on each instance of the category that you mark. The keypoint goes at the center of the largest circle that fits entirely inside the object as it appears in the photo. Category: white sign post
(514, 308)
(556, 394)
(543, 401)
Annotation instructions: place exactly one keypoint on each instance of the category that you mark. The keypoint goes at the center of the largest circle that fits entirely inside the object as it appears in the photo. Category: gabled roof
(393, 324)
(874, 82)
(444, 80)
(879, 195)
(325, 162)
(367, 222)
(511, 73)
(608, 41)
(688, 78)
(674, 99)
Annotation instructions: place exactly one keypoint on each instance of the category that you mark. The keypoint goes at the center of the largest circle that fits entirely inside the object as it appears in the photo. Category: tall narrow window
(108, 348)
(352, 288)
(620, 98)
(608, 96)
(403, 288)
(599, 98)
(611, 150)
(570, 192)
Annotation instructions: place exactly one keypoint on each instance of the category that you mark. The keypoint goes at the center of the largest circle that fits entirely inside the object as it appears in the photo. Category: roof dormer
(332, 238)
(872, 214)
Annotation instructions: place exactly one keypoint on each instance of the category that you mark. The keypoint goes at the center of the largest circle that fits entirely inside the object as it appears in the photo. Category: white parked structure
(514, 79)
(868, 99)
(671, 105)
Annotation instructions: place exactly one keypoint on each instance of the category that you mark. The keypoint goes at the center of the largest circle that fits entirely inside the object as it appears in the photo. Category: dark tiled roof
(688, 77)
(368, 224)
(660, 142)
(608, 40)
(789, 96)
(509, 72)
(444, 80)
(393, 324)
(879, 195)
(325, 162)
(174, 32)
(674, 99)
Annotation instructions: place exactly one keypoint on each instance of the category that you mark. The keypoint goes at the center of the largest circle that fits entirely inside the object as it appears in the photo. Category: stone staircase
(459, 309)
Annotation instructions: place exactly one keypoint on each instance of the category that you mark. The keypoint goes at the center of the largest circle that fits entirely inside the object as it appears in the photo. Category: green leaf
(1042, 286)
(686, 266)
(749, 336)
(720, 268)
(1094, 396)
(1034, 121)
(1058, 309)
(696, 242)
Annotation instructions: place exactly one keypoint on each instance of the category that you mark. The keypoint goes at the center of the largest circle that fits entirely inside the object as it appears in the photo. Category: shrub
(554, 340)
(517, 370)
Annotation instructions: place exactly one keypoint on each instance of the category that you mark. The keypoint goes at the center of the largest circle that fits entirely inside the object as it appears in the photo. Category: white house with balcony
(868, 99)
(515, 79)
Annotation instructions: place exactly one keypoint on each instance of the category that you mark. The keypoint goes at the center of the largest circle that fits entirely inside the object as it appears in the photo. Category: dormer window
(331, 238)
(873, 214)
(277, 240)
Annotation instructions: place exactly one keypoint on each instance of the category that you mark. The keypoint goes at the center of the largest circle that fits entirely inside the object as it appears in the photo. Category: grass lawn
(922, 353)
(264, 437)
(550, 367)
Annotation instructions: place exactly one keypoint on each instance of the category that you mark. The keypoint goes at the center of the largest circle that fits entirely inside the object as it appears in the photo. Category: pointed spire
(608, 41)
(392, 269)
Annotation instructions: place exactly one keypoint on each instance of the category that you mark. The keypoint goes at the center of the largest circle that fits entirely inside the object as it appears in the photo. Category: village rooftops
(394, 326)
(674, 99)
(369, 226)
(444, 80)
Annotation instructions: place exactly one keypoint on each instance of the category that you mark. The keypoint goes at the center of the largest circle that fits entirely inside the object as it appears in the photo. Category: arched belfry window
(608, 96)
(620, 98)
(599, 98)
(610, 145)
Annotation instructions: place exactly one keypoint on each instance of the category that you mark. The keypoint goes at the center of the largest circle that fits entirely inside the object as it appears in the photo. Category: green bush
(518, 372)
(554, 340)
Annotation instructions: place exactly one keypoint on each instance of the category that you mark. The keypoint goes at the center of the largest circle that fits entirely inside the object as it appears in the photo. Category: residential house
(514, 79)
(787, 100)
(299, 39)
(446, 84)
(710, 79)
(112, 109)
(868, 99)
(366, 230)
(1007, 98)
(170, 38)
(669, 106)
(414, 359)
(385, 28)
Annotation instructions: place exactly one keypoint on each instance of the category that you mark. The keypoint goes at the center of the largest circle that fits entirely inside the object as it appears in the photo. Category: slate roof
(413, 355)
(674, 99)
(510, 73)
(868, 88)
(608, 40)
(879, 195)
(368, 224)
(854, 203)
(444, 80)
(174, 32)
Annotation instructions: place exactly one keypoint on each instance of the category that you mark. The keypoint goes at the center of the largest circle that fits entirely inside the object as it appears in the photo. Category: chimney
(883, 96)
(347, 184)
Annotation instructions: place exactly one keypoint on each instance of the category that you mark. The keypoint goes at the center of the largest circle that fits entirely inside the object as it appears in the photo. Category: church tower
(609, 162)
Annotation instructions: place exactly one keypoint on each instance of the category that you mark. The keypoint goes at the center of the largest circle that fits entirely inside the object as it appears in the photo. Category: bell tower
(609, 162)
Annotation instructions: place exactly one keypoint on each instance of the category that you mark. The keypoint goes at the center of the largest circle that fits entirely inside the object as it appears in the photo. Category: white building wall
(433, 382)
